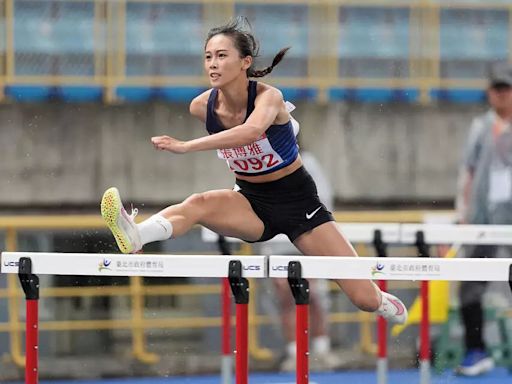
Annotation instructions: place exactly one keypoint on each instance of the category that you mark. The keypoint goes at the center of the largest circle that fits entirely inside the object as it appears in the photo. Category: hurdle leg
(510, 276)
(30, 285)
(382, 325)
(424, 356)
(382, 329)
(240, 289)
(226, 370)
(300, 291)
(227, 361)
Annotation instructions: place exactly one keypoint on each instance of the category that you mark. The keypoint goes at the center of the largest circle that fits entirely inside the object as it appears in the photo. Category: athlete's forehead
(220, 43)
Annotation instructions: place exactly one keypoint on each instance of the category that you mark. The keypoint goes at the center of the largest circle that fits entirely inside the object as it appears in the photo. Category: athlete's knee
(198, 202)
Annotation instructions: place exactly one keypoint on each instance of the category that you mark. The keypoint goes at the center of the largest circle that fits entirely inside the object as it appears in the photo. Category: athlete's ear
(246, 63)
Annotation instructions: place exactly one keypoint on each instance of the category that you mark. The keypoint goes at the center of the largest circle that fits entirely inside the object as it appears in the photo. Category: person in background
(485, 198)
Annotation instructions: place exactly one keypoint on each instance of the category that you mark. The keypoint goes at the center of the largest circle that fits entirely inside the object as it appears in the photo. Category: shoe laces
(134, 213)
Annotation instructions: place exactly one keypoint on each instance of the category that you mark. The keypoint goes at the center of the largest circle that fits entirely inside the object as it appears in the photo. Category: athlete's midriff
(279, 174)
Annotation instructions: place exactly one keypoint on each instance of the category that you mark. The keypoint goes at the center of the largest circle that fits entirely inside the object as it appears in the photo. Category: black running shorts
(289, 205)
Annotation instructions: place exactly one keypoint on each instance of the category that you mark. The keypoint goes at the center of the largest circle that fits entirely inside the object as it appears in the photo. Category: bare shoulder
(268, 93)
(198, 105)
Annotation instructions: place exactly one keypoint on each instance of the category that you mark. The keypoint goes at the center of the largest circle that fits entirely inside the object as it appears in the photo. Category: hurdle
(297, 269)
(381, 235)
(376, 234)
(378, 268)
(28, 265)
(424, 235)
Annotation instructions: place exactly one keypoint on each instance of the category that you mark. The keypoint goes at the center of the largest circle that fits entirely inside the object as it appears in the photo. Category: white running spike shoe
(121, 224)
(392, 309)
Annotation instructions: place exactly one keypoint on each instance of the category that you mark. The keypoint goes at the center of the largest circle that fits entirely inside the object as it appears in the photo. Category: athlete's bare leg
(327, 240)
(224, 211)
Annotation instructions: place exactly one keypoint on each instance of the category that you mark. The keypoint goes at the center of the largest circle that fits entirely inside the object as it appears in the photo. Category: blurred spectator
(486, 198)
(321, 356)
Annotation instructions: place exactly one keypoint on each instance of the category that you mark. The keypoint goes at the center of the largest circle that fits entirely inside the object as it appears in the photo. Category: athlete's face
(222, 61)
(500, 97)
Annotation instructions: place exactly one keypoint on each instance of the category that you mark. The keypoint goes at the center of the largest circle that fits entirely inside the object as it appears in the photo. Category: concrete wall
(56, 154)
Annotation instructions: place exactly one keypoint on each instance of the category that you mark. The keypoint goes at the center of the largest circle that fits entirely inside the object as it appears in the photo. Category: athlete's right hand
(167, 143)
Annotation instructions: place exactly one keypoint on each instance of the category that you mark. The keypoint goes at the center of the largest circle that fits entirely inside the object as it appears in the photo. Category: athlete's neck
(234, 96)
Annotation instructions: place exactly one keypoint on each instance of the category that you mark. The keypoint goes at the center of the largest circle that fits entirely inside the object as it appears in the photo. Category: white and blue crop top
(273, 150)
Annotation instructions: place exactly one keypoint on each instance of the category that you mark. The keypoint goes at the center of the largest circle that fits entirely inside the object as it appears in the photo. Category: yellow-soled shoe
(120, 223)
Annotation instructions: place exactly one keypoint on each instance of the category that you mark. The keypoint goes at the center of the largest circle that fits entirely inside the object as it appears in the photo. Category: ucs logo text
(252, 268)
(11, 263)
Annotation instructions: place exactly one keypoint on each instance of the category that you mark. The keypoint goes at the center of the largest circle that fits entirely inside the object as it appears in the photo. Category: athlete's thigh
(324, 240)
(327, 240)
(232, 215)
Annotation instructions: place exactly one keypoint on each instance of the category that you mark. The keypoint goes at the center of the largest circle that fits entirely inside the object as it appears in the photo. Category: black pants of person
(471, 294)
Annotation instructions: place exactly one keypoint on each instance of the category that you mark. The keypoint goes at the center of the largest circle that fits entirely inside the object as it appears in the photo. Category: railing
(115, 49)
(137, 292)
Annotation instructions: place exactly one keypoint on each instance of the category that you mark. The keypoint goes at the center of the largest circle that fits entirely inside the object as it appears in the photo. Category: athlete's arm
(198, 106)
(266, 108)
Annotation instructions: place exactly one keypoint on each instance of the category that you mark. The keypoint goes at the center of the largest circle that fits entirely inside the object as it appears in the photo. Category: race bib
(500, 185)
(256, 157)
(295, 124)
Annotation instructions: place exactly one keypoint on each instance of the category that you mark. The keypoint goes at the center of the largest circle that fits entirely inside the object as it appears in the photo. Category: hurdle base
(382, 370)
(226, 369)
(424, 372)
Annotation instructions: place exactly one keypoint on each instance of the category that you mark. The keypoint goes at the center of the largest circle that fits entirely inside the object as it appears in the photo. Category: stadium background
(385, 92)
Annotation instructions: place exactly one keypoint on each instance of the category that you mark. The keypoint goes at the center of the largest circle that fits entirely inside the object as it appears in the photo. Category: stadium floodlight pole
(424, 355)
(382, 326)
(240, 288)
(30, 284)
(226, 369)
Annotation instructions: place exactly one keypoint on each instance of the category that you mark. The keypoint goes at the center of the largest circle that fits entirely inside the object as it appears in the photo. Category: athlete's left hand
(167, 143)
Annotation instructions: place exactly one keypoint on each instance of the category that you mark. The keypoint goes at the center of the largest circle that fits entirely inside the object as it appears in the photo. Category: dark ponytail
(239, 29)
(251, 72)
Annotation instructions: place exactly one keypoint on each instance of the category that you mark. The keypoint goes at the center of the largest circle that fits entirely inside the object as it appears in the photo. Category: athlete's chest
(229, 120)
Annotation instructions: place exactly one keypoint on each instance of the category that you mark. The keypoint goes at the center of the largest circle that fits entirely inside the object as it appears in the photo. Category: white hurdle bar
(393, 268)
(145, 265)
(28, 265)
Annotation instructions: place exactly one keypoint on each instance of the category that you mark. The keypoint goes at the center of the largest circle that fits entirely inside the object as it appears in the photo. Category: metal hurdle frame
(29, 264)
(376, 234)
(296, 268)
(424, 235)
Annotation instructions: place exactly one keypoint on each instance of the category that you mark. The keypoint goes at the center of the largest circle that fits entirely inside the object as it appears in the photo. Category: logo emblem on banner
(104, 265)
(377, 269)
